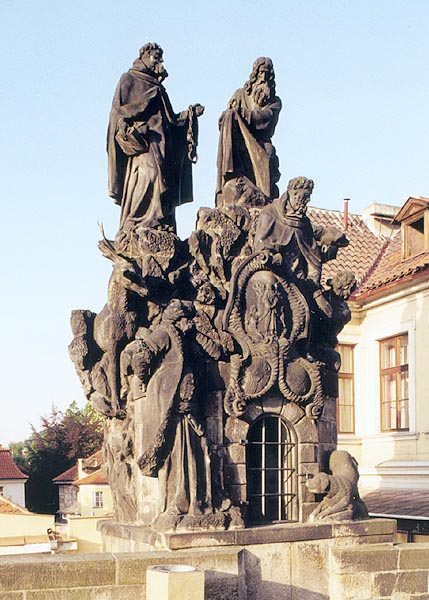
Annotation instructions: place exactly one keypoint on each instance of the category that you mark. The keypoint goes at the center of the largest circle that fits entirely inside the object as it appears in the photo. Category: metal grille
(271, 471)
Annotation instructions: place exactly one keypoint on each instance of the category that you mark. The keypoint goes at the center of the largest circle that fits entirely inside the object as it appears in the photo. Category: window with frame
(271, 461)
(345, 400)
(394, 383)
(415, 236)
(97, 500)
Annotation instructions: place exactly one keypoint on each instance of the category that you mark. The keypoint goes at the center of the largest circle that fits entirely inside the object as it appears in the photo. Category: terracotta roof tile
(89, 464)
(375, 260)
(397, 502)
(391, 267)
(7, 507)
(364, 246)
(96, 478)
(68, 476)
(8, 469)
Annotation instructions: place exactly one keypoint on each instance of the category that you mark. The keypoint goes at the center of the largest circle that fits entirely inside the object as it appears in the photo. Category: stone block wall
(377, 572)
(110, 576)
(351, 561)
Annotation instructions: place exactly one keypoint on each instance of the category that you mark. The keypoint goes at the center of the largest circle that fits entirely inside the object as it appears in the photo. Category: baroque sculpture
(150, 148)
(213, 351)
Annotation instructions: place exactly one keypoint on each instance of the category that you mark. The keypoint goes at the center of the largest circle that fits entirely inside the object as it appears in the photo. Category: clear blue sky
(354, 80)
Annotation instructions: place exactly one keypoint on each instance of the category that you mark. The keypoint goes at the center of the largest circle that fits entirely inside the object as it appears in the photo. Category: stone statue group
(244, 291)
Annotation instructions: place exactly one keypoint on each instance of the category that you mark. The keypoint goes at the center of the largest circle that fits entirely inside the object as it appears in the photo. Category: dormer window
(414, 219)
(415, 240)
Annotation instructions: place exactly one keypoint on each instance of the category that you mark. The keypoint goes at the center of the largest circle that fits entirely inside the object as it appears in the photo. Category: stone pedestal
(118, 537)
(174, 582)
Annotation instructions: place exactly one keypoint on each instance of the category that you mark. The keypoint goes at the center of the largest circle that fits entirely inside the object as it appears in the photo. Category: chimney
(346, 213)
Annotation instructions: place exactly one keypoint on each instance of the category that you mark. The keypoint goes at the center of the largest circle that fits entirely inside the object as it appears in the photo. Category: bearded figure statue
(150, 148)
(246, 128)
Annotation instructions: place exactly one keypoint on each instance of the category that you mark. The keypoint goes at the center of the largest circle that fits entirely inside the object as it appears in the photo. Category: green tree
(55, 447)
(19, 451)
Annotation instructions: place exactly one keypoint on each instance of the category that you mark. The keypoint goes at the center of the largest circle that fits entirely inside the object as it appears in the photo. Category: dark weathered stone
(247, 163)
(150, 148)
(205, 344)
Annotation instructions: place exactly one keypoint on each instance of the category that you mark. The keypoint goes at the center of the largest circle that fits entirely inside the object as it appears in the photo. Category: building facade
(382, 410)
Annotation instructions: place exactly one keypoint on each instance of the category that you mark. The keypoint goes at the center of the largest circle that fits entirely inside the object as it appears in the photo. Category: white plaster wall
(85, 499)
(14, 490)
(391, 458)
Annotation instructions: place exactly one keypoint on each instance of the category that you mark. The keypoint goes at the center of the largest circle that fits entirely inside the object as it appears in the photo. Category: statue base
(120, 537)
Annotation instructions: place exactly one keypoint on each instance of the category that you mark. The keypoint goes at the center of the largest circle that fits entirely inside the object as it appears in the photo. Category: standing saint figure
(246, 128)
(150, 148)
(174, 445)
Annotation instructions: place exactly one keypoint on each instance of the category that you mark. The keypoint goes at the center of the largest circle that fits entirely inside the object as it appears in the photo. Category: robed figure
(246, 128)
(174, 445)
(150, 148)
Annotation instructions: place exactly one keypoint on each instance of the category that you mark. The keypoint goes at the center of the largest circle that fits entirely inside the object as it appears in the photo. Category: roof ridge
(7, 500)
(375, 264)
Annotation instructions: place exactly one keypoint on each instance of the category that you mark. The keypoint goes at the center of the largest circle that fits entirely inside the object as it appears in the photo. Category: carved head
(343, 284)
(266, 288)
(261, 83)
(179, 312)
(206, 293)
(151, 55)
(297, 196)
(318, 484)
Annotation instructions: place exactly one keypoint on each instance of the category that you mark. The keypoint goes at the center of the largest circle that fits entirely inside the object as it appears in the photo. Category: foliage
(63, 438)
(19, 453)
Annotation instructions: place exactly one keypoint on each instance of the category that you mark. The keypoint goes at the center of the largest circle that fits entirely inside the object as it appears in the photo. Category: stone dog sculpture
(342, 501)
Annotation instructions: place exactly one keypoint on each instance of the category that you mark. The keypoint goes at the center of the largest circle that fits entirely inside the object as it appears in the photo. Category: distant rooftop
(8, 469)
(7, 507)
(96, 478)
(399, 503)
(374, 253)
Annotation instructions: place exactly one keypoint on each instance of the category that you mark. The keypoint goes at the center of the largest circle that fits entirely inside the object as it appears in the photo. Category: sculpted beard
(159, 71)
(262, 93)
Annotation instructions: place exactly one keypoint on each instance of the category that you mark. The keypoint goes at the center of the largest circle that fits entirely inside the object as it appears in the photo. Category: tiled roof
(90, 464)
(397, 502)
(8, 469)
(391, 267)
(375, 260)
(7, 507)
(68, 476)
(364, 246)
(96, 478)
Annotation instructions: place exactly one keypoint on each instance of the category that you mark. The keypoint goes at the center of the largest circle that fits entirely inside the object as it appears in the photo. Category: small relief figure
(265, 317)
(246, 128)
(342, 501)
(100, 338)
(150, 148)
(209, 334)
(215, 242)
(174, 446)
(116, 324)
(119, 464)
(325, 331)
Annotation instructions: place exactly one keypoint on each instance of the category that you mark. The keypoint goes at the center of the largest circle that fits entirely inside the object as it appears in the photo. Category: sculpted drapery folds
(285, 230)
(202, 337)
(150, 148)
(246, 128)
(174, 447)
